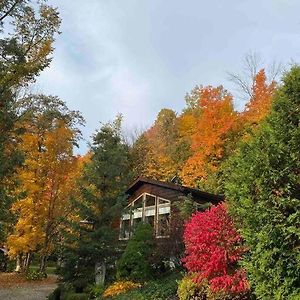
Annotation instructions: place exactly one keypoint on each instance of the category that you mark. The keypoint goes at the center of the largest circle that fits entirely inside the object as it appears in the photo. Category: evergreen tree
(263, 191)
(98, 211)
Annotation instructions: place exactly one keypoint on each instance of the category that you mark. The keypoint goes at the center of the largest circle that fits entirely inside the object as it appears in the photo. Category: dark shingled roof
(184, 189)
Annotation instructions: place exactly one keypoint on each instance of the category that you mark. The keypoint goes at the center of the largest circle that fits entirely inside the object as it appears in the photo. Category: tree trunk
(26, 262)
(43, 263)
(100, 271)
(18, 264)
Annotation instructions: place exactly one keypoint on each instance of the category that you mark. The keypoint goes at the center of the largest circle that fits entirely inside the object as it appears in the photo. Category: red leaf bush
(213, 249)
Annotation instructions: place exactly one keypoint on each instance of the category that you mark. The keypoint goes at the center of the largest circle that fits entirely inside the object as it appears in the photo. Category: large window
(149, 209)
(137, 211)
(163, 218)
(125, 227)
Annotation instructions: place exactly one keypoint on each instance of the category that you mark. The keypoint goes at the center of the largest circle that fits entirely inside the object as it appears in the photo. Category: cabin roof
(169, 185)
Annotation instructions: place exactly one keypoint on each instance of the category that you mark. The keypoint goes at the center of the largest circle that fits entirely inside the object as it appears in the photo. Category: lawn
(49, 270)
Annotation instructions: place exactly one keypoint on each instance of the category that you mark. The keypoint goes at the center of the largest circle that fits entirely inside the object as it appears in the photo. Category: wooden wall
(163, 192)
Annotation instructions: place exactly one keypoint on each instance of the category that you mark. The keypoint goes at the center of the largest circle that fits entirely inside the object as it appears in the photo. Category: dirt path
(14, 287)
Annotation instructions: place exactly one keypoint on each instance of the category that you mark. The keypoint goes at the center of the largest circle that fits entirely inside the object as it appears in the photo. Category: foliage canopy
(263, 192)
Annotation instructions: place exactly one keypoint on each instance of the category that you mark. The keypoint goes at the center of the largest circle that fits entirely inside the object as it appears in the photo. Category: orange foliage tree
(214, 124)
(260, 102)
(195, 144)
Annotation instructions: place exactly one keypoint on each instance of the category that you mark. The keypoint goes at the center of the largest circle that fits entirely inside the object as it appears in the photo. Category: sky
(136, 57)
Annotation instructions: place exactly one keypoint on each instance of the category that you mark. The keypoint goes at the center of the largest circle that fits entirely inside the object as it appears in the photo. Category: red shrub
(213, 248)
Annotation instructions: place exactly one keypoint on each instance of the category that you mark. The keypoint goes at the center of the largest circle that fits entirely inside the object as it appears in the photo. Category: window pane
(125, 229)
(150, 220)
(138, 203)
(163, 226)
(162, 201)
(150, 200)
(136, 222)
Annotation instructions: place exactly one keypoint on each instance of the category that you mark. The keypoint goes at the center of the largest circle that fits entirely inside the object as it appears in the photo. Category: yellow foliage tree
(159, 146)
(47, 183)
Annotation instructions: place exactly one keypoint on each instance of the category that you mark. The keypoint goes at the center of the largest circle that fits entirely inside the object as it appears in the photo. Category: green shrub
(61, 292)
(188, 289)
(80, 284)
(11, 265)
(131, 295)
(55, 295)
(95, 291)
(135, 262)
(33, 275)
(161, 289)
(228, 296)
(76, 296)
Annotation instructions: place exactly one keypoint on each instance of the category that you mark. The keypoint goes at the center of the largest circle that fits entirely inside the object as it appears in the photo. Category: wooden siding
(163, 192)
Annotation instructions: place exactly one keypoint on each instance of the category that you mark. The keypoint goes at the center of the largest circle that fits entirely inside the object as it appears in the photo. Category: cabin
(151, 201)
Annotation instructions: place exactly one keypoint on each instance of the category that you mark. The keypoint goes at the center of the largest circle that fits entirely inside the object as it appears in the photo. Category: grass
(49, 270)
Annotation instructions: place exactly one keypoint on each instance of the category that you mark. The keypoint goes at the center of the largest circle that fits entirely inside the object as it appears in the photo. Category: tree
(47, 177)
(261, 99)
(216, 120)
(252, 66)
(159, 143)
(262, 188)
(92, 237)
(25, 52)
(139, 153)
(213, 249)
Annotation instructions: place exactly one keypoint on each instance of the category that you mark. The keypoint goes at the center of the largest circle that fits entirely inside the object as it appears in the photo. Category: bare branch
(252, 64)
(9, 11)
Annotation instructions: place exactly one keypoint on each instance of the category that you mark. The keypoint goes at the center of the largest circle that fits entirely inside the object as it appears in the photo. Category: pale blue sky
(135, 56)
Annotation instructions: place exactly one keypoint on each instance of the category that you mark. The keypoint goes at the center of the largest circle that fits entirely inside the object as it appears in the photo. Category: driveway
(12, 287)
(27, 293)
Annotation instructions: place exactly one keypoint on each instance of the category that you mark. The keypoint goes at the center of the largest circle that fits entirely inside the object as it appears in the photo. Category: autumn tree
(262, 188)
(216, 121)
(25, 52)
(47, 177)
(139, 152)
(213, 248)
(187, 125)
(245, 80)
(260, 102)
(159, 145)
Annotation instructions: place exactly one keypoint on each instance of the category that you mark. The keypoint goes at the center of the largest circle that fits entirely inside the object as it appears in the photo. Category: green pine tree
(103, 185)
